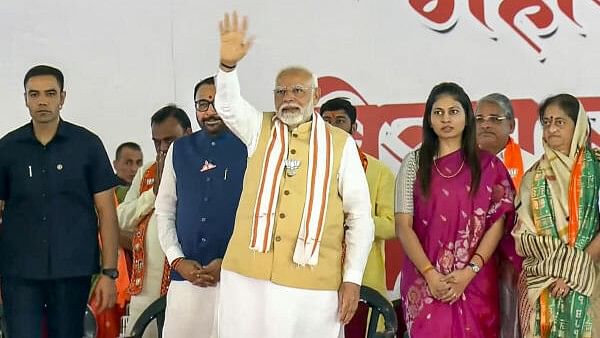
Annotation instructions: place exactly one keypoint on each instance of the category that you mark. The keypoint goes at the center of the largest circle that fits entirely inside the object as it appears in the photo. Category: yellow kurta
(381, 188)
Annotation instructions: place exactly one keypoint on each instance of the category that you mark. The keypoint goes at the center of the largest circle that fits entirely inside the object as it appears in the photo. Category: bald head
(297, 71)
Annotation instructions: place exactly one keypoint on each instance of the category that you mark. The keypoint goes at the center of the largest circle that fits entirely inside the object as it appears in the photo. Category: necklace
(449, 176)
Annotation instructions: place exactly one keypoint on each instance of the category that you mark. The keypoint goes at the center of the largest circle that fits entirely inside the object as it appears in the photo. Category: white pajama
(191, 311)
(254, 308)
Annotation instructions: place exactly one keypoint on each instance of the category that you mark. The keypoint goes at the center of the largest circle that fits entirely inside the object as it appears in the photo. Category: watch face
(112, 273)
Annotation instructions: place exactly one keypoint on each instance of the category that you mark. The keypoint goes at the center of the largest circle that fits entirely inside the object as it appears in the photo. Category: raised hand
(234, 44)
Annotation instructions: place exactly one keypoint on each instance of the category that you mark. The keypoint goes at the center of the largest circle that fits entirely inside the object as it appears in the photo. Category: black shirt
(50, 228)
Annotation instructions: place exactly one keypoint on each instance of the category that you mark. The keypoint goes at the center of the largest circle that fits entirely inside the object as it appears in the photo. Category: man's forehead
(489, 108)
(130, 152)
(42, 82)
(293, 78)
(335, 113)
(206, 91)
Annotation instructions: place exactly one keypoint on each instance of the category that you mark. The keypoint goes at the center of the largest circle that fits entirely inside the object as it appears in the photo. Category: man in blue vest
(195, 207)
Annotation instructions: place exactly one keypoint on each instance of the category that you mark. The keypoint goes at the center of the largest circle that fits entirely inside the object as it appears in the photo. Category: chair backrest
(379, 306)
(2, 323)
(156, 310)
(90, 327)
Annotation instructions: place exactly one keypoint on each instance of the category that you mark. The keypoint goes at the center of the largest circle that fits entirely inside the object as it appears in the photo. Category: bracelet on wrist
(480, 257)
(426, 269)
(176, 262)
(228, 67)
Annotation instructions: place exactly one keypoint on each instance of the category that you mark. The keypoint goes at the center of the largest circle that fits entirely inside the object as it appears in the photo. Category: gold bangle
(426, 269)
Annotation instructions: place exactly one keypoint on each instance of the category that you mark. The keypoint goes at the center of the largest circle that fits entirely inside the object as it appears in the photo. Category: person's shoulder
(81, 133)
(377, 164)
(16, 135)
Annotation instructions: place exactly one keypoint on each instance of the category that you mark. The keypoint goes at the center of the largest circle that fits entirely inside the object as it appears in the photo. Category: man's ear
(317, 95)
(512, 126)
(353, 128)
(63, 96)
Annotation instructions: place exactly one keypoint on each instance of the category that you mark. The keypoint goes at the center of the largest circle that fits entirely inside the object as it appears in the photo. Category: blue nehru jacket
(210, 172)
(50, 228)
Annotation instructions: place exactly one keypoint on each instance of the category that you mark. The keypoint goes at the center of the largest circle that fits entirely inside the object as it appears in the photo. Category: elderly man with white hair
(303, 228)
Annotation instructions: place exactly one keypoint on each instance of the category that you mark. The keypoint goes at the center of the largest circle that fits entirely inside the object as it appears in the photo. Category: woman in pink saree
(454, 214)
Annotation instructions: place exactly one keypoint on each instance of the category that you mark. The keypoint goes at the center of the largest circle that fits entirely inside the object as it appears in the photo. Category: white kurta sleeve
(360, 230)
(165, 209)
(239, 115)
(135, 205)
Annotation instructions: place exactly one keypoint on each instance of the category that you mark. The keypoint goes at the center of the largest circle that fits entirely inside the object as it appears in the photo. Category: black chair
(156, 310)
(379, 306)
(90, 327)
(2, 323)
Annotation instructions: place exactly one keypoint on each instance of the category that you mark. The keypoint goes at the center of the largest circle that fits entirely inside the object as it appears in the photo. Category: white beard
(293, 119)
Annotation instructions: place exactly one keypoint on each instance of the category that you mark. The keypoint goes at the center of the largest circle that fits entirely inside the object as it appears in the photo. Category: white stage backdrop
(123, 60)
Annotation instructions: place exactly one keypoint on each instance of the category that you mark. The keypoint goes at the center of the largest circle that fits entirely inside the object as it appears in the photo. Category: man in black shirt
(56, 194)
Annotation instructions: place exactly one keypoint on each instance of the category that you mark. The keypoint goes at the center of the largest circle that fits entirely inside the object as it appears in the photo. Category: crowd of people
(266, 224)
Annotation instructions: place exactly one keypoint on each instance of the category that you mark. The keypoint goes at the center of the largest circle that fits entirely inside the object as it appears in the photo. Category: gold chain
(448, 176)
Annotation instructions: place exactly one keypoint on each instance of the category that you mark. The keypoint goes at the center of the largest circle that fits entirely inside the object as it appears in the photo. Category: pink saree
(450, 225)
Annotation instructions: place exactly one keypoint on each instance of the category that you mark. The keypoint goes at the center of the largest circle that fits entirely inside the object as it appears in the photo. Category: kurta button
(286, 192)
(212, 143)
(44, 194)
(282, 215)
(203, 240)
(203, 219)
(295, 135)
(293, 151)
(43, 218)
(43, 171)
(278, 238)
(205, 199)
(208, 179)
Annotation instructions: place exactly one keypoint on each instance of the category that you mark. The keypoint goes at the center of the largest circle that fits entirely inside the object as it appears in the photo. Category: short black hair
(171, 111)
(568, 103)
(340, 103)
(207, 81)
(40, 70)
(130, 145)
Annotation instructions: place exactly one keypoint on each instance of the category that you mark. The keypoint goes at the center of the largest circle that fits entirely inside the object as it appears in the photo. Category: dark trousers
(65, 301)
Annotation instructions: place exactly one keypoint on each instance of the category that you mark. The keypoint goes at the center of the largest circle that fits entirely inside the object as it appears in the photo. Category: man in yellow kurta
(340, 113)
(283, 274)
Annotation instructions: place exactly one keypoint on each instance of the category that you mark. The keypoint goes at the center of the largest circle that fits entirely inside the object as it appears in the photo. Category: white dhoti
(154, 268)
(254, 308)
(191, 311)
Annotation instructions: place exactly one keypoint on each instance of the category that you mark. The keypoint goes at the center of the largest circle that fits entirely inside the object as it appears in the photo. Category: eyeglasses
(202, 105)
(495, 119)
(297, 91)
(558, 123)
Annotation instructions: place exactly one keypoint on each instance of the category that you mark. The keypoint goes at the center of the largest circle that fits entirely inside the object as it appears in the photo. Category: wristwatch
(111, 273)
(476, 268)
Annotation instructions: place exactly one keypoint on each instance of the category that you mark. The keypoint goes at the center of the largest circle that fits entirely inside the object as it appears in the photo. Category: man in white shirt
(150, 273)
(285, 273)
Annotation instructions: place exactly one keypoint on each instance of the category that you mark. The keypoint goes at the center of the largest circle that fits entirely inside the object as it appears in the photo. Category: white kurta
(255, 308)
(133, 208)
(190, 309)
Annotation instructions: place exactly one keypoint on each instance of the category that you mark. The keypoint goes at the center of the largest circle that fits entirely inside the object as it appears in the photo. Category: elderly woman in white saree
(557, 230)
